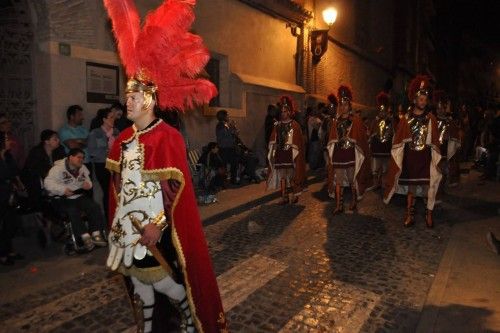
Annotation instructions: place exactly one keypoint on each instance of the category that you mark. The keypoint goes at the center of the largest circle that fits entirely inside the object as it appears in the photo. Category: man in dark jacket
(226, 139)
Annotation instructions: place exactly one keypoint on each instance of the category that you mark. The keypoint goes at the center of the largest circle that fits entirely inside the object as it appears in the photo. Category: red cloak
(299, 176)
(362, 175)
(403, 135)
(164, 160)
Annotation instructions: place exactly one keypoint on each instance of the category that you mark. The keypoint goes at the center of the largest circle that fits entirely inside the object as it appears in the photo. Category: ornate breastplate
(284, 135)
(343, 128)
(443, 129)
(384, 130)
(419, 128)
(139, 200)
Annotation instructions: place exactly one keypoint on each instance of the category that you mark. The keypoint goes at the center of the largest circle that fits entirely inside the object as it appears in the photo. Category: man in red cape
(449, 139)
(415, 154)
(287, 164)
(381, 133)
(348, 153)
(156, 237)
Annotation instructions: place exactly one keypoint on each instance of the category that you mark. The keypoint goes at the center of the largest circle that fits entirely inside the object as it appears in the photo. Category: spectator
(234, 151)
(271, 119)
(68, 178)
(94, 123)
(17, 149)
(73, 134)
(226, 133)
(492, 144)
(249, 161)
(9, 186)
(121, 121)
(40, 159)
(100, 142)
(315, 150)
(214, 172)
(468, 143)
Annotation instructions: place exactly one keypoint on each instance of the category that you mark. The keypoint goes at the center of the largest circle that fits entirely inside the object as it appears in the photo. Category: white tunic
(140, 199)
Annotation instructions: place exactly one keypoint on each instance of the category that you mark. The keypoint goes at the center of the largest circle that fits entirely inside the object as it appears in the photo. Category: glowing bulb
(330, 15)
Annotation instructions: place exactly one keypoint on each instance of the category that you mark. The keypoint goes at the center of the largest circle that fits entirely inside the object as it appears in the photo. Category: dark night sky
(477, 18)
(466, 35)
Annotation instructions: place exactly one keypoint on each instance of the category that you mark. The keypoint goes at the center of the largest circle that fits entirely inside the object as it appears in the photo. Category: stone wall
(365, 67)
(256, 53)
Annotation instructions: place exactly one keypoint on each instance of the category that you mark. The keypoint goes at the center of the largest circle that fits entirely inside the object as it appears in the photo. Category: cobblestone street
(280, 269)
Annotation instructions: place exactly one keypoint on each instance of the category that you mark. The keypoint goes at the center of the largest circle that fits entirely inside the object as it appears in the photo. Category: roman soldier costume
(449, 140)
(329, 114)
(381, 133)
(286, 157)
(151, 179)
(326, 126)
(348, 153)
(415, 154)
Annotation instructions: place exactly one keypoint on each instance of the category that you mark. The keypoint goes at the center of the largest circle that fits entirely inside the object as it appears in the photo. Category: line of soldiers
(412, 154)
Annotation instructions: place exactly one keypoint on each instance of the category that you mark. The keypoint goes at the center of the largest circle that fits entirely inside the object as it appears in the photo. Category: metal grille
(16, 82)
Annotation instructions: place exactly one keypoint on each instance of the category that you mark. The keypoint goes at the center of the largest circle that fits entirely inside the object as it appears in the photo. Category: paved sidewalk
(465, 294)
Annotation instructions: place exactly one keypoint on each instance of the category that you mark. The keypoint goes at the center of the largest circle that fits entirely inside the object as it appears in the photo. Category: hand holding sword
(151, 233)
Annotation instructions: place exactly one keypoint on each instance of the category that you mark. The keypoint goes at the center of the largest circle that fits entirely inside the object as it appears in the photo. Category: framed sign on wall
(102, 83)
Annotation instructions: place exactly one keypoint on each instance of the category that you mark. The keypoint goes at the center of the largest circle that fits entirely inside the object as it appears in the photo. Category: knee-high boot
(428, 218)
(284, 194)
(354, 200)
(410, 210)
(339, 200)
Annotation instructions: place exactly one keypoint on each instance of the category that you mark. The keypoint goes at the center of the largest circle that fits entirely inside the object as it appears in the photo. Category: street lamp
(319, 38)
(330, 16)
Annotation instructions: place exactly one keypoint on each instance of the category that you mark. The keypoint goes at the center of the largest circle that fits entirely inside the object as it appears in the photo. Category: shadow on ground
(248, 235)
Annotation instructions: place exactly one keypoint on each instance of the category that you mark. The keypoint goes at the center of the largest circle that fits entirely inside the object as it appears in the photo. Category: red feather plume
(420, 82)
(344, 92)
(126, 27)
(165, 51)
(382, 98)
(333, 99)
(288, 100)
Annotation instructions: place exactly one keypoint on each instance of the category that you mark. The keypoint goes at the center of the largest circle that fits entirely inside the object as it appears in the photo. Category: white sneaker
(99, 241)
(88, 244)
(210, 199)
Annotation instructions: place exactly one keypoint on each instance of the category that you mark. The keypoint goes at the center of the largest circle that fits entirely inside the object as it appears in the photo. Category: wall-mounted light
(330, 16)
(319, 38)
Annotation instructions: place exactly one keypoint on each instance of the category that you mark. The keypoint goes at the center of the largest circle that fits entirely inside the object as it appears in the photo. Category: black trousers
(74, 209)
(9, 222)
(103, 177)
(230, 156)
(89, 166)
(250, 163)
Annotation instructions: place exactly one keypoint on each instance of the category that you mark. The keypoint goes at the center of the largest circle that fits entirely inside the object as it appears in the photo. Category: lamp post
(319, 38)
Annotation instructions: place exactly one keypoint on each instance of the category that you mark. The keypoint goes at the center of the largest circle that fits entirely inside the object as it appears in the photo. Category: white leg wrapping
(177, 293)
(146, 293)
(172, 289)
